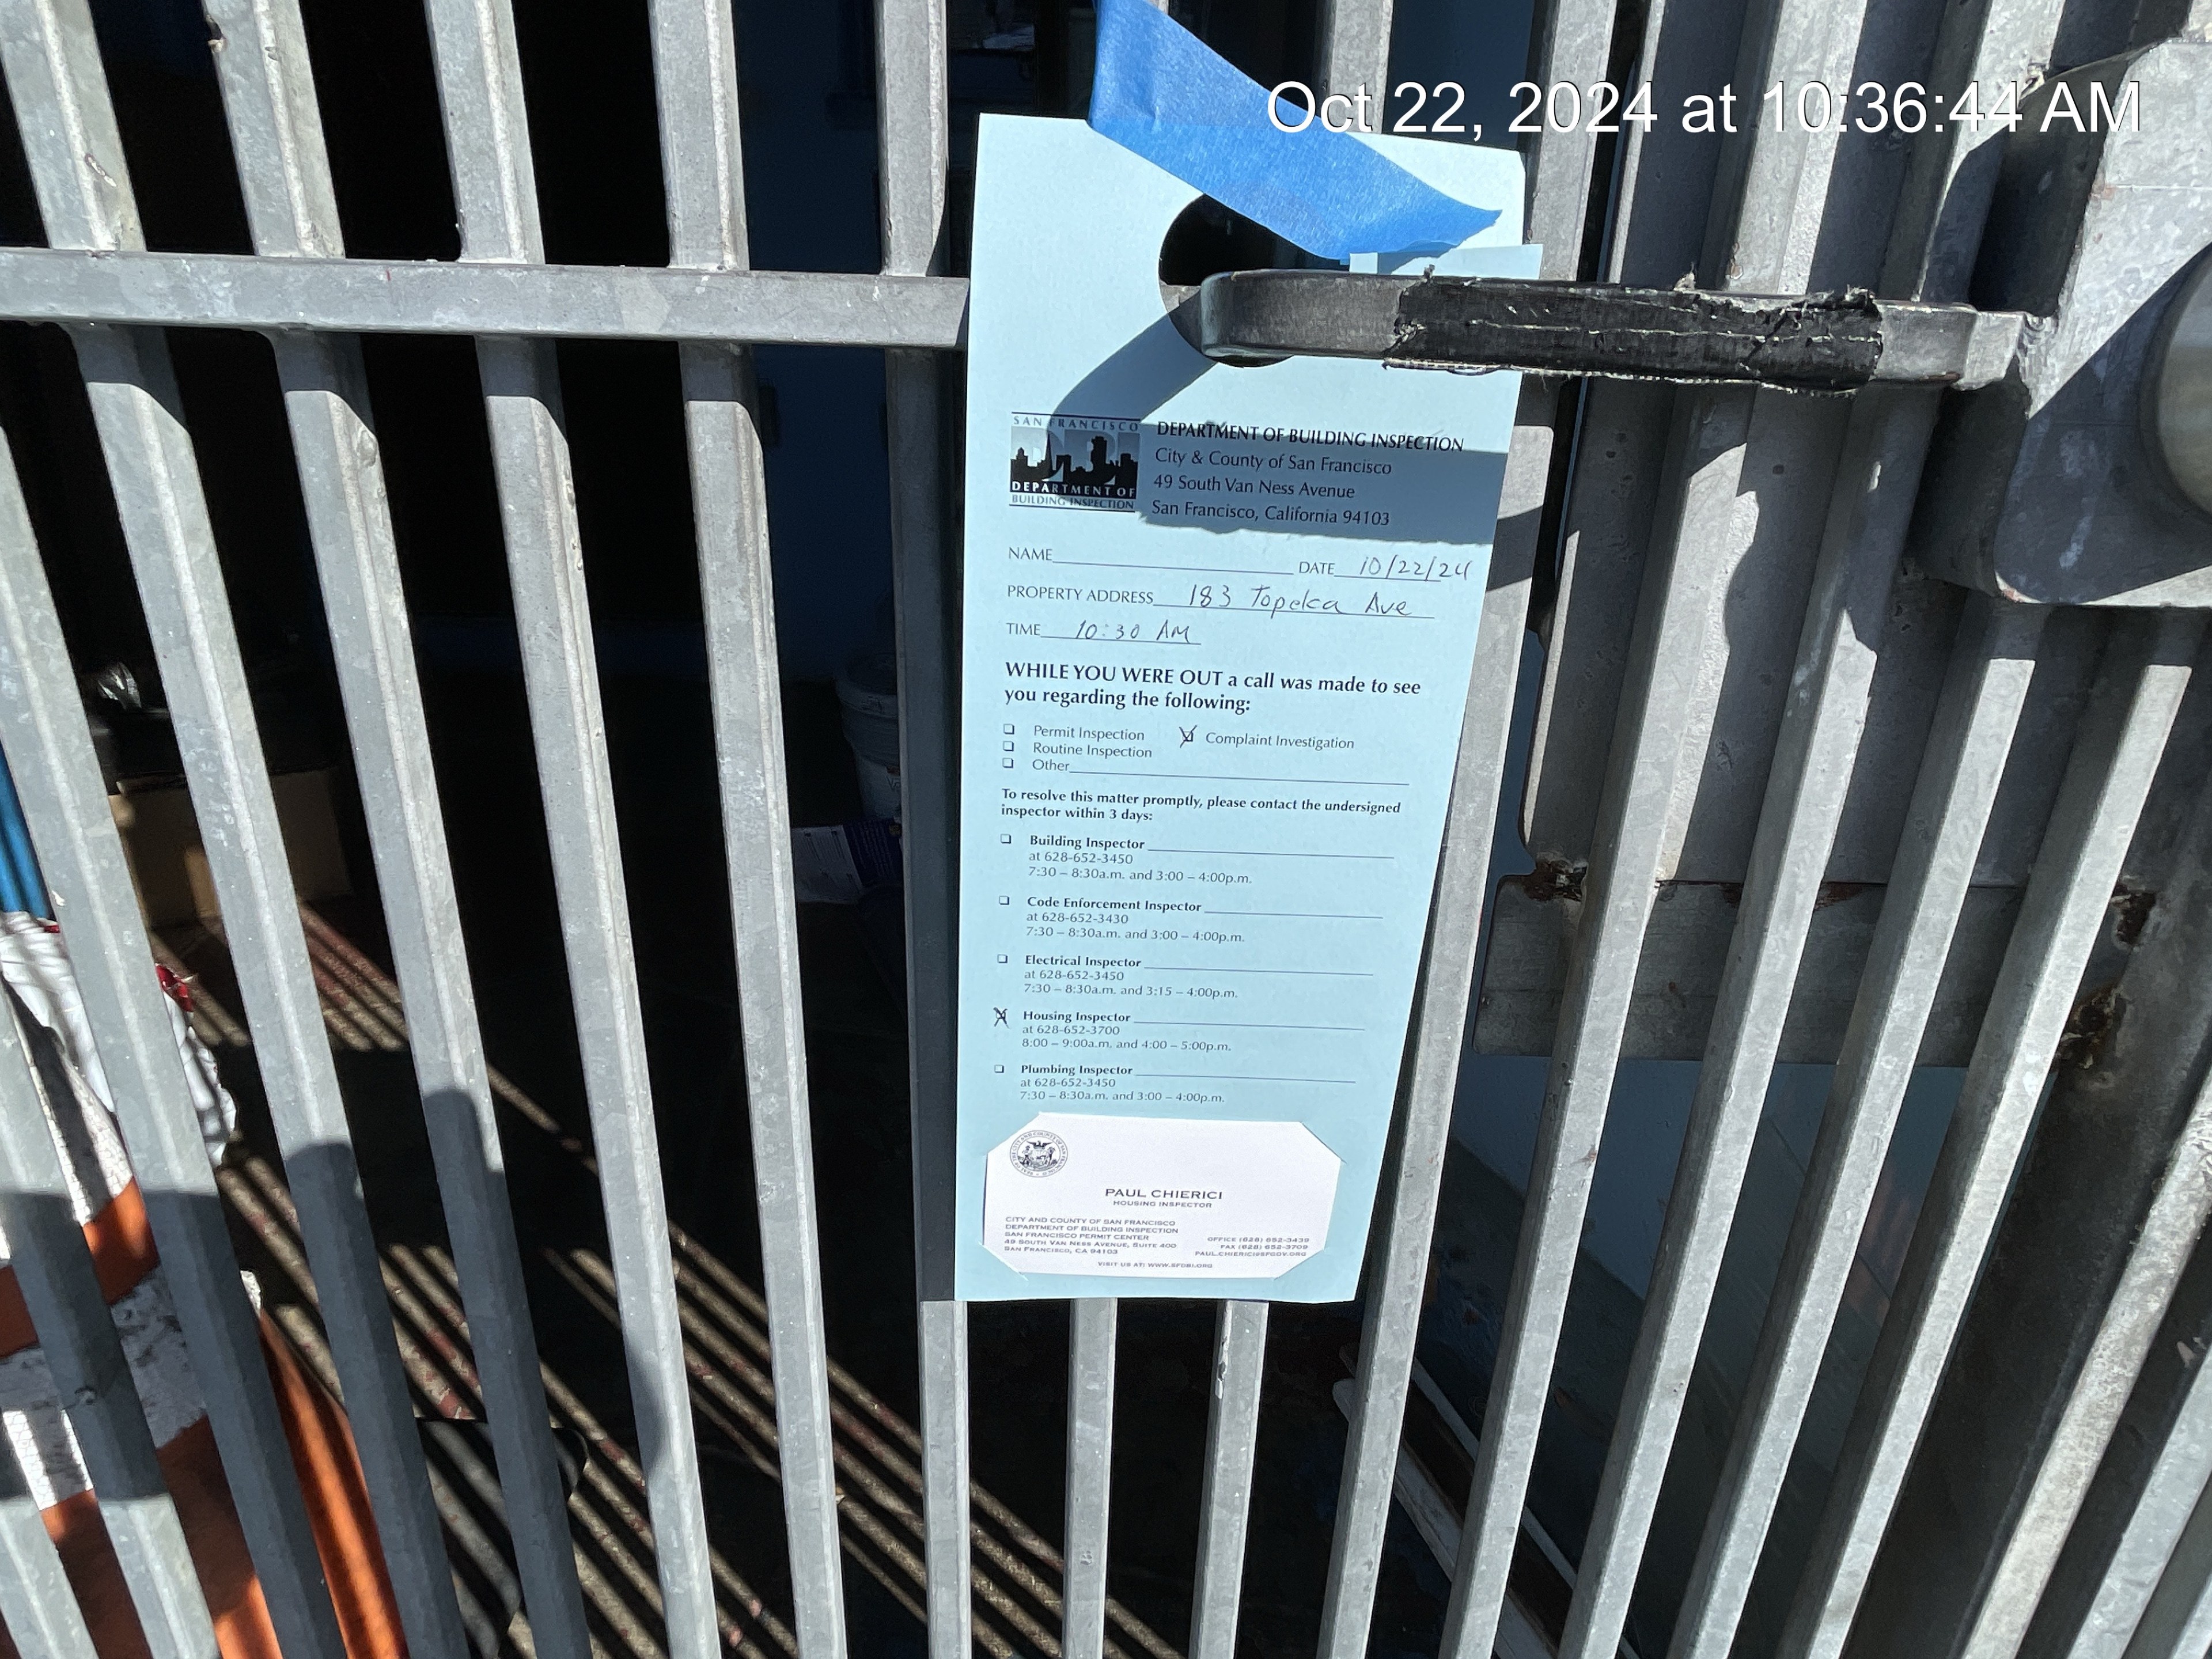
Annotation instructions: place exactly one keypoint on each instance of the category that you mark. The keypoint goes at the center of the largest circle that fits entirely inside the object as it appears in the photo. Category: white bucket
(867, 698)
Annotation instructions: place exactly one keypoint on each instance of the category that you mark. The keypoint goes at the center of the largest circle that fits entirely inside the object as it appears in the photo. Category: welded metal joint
(1824, 342)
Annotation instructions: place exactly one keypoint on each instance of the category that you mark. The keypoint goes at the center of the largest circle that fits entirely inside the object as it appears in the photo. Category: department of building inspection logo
(1074, 460)
(1037, 1152)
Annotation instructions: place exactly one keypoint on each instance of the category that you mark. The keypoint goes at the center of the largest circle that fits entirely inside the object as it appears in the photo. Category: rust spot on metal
(1554, 878)
(1836, 892)
(2089, 1029)
(2131, 909)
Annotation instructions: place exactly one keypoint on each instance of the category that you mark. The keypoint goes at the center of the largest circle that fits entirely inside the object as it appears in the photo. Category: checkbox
(1003, 899)
(1006, 840)
(1008, 730)
(1008, 747)
(1010, 762)
(998, 1068)
(1002, 955)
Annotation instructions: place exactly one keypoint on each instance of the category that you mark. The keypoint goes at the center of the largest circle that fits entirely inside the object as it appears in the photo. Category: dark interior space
(807, 91)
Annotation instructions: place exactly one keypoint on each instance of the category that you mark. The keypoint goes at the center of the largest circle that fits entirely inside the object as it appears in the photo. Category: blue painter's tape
(1161, 92)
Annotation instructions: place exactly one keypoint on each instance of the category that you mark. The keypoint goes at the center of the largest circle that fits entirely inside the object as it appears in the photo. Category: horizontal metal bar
(1805, 343)
(373, 296)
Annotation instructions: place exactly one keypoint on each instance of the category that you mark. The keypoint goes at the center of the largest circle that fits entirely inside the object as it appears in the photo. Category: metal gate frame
(1858, 463)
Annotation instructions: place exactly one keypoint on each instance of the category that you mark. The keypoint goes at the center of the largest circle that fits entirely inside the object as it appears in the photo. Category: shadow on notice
(1302, 480)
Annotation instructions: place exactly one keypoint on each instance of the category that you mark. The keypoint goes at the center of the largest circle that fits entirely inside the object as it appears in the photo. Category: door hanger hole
(1208, 238)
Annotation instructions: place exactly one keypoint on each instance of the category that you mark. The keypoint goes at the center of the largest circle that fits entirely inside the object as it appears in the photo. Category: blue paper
(1218, 627)
(1161, 92)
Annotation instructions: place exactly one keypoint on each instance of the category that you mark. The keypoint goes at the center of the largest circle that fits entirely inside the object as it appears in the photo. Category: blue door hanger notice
(1218, 626)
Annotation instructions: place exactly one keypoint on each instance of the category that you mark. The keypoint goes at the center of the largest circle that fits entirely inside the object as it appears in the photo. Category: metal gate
(1740, 669)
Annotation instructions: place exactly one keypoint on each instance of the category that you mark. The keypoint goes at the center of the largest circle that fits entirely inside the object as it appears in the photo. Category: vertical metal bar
(695, 73)
(731, 508)
(1398, 1254)
(53, 62)
(1091, 1328)
(1232, 1437)
(913, 138)
(2172, 1493)
(2177, 1624)
(1936, 231)
(1356, 52)
(1991, 664)
(37, 1604)
(2116, 751)
(1576, 39)
(944, 1475)
(1760, 234)
(487, 143)
(2105, 1215)
(50, 751)
(139, 416)
(1821, 724)
(269, 101)
(90, 1375)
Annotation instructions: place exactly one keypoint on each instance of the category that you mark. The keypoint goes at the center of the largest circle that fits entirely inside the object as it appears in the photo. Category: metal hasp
(2084, 476)
(1810, 343)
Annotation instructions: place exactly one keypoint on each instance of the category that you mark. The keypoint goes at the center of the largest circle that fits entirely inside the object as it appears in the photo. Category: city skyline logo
(1074, 460)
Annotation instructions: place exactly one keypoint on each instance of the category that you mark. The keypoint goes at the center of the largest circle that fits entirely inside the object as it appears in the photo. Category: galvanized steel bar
(84, 1358)
(1878, 476)
(284, 175)
(2105, 1215)
(2100, 1390)
(1992, 662)
(1937, 229)
(730, 507)
(37, 1603)
(1232, 1439)
(1952, 174)
(50, 753)
(139, 418)
(2116, 751)
(486, 143)
(1356, 53)
(537, 506)
(914, 136)
(1655, 723)
(1558, 186)
(326, 400)
(52, 62)
(1398, 1252)
(696, 73)
(1091, 1328)
(946, 1536)
(1760, 239)
(2172, 1491)
(137, 409)
(373, 296)
(2177, 1623)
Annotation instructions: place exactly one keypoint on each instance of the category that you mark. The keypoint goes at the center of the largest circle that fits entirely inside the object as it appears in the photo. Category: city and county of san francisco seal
(1037, 1152)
